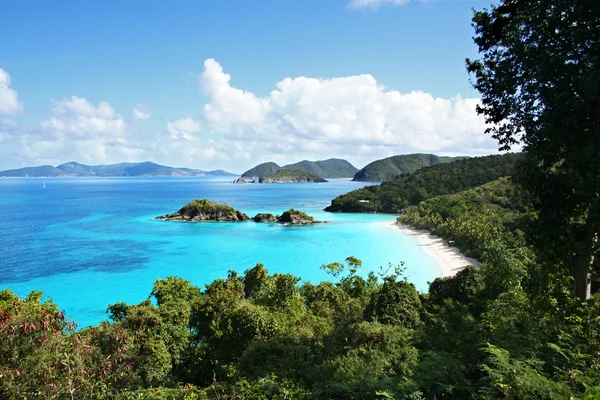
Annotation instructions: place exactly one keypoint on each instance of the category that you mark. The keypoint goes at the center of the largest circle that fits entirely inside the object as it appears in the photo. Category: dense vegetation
(410, 189)
(206, 210)
(539, 77)
(391, 167)
(296, 217)
(488, 333)
(331, 168)
(261, 170)
(291, 175)
(472, 218)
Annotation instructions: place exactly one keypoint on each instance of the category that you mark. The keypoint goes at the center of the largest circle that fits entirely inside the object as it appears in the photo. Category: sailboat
(44, 185)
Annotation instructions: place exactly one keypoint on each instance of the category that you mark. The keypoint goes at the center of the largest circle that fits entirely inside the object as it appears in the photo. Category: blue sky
(74, 71)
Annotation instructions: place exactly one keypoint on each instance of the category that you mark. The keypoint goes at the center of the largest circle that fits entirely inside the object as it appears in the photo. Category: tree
(539, 76)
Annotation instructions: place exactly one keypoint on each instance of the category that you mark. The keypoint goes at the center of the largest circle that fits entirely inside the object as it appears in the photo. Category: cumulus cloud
(183, 128)
(350, 116)
(140, 112)
(9, 98)
(77, 119)
(374, 4)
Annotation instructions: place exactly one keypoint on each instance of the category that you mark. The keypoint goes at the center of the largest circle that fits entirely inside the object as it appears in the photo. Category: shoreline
(449, 258)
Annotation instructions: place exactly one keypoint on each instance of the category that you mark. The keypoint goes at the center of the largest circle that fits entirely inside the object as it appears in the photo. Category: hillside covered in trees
(331, 168)
(409, 189)
(391, 167)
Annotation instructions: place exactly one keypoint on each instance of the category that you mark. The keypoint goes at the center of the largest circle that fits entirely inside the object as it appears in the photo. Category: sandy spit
(449, 258)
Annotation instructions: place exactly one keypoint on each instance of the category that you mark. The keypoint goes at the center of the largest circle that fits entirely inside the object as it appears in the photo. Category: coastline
(449, 258)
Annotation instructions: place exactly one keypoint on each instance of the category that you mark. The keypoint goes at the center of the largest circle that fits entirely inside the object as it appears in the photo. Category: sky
(230, 84)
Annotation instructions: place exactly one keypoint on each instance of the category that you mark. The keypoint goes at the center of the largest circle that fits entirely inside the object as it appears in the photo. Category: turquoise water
(91, 242)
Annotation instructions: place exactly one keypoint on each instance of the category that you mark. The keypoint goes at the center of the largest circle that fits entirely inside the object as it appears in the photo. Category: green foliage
(204, 206)
(331, 168)
(291, 175)
(474, 218)
(539, 77)
(261, 170)
(389, 168)
(294, 216)
(409, 189)
(514, 379)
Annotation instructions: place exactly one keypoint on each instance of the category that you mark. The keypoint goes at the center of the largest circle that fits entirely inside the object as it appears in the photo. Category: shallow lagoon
(88, 242)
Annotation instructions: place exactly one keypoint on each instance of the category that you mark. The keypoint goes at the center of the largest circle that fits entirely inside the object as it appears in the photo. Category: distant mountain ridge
(146, 168)
(331, 168)
(390, 167)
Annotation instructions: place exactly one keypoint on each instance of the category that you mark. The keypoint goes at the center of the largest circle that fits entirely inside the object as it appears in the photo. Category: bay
(89, 242)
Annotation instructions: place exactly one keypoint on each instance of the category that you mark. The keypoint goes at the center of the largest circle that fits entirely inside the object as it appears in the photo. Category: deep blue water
(91, 242)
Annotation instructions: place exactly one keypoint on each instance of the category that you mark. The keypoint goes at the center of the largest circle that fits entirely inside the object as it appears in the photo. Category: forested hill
(409, 189)
(291, 175)
(261, 170)
(391, 167)
(331, 168)
(122, 169)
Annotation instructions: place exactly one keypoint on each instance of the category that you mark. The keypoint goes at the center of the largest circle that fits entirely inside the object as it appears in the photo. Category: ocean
(90, 242)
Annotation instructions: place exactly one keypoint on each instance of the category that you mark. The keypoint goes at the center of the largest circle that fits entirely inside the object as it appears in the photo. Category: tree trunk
(580, 270)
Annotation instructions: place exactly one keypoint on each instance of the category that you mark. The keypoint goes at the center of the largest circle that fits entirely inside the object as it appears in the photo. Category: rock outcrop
(264, 217)
(240, 180)
(295, 217)
(206, 210)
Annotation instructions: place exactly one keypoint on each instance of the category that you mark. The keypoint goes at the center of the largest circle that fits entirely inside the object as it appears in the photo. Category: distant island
(209, 211)
(390, 167)
(122, 169)
(291, 175)
(325, 169)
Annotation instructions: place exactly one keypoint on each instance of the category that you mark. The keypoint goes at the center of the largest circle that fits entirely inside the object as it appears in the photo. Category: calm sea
(89, 242)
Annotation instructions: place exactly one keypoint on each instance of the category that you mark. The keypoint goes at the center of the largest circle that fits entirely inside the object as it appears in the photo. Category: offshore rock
(206, 210)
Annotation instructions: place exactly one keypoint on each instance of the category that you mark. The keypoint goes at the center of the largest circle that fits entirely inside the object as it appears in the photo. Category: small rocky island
(283, 175)
(295, 217)
(206, 210)
(291, 175)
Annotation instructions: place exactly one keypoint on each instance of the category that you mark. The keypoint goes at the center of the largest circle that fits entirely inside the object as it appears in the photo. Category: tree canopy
(539, 76)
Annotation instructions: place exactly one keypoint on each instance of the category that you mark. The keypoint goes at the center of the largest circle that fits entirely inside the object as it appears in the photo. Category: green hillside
(389, 168)
(261, 170)
(44, 170)
(331, 168)
(466, 217)
(291, 175)
(409, 189)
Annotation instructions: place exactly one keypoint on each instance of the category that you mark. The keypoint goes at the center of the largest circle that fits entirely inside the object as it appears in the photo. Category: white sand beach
(449, 258)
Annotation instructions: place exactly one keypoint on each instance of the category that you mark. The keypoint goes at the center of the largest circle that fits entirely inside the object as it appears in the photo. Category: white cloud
(374, 4)
(76, 118)
(9, 98)
(353, 117)
(183, 128)
(140, 112)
